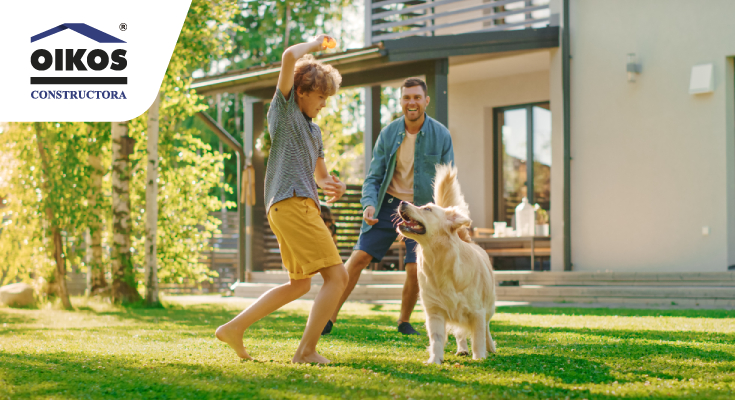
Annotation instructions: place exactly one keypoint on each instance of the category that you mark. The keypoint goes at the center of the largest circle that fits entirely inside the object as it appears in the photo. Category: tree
(124, 283)
(188, 170)
(151, 206)
(52, 221)
(99, 207)
(266, 32)
(47, 201)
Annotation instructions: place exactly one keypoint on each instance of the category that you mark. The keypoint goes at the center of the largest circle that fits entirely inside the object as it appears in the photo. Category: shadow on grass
(621, 312)
(12, 318)
(622, 334)
(528, 350)
(98, 376)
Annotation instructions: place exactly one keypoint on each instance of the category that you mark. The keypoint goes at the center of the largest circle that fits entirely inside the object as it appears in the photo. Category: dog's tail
(447, 192)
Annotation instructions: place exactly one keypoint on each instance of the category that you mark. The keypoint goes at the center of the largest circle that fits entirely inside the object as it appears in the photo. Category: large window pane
(513, 153)
(542, 156)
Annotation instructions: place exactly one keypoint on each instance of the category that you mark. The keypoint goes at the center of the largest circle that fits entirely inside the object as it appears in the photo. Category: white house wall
(470, 122)
(649, 160)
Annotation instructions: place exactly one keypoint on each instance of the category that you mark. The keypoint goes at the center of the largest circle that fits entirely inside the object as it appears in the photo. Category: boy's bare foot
(309, 358)
(234, 340)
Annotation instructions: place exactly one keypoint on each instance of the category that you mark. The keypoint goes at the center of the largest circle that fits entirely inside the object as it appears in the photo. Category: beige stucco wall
(470, 122)
(650, 161)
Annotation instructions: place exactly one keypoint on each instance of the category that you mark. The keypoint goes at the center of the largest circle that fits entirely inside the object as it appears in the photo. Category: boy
(292, 203)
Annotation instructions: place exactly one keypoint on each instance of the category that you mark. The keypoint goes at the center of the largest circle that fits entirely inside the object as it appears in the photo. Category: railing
(394, 19)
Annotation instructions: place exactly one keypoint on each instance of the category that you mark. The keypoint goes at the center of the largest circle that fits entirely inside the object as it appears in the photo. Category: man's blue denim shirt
(433, 146)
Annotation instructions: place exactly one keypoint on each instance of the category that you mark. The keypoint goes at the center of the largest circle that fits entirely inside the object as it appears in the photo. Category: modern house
(616, 116)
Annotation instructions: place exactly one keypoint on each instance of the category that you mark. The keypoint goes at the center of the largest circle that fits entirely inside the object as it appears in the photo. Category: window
(522, 138)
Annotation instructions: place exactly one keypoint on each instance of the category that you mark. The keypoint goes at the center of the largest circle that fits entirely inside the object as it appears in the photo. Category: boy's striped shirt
(296, 143)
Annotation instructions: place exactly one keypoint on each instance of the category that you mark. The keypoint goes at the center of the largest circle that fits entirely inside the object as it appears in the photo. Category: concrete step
(650, 295)
(684, 289)
(379, 292)
(549, 278)
(724, 278)
(367, 277)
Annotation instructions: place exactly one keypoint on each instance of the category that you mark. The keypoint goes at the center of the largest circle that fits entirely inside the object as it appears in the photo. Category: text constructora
(78, 94)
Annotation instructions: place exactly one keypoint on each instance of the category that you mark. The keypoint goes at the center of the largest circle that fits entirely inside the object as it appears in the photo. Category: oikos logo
(77, 68)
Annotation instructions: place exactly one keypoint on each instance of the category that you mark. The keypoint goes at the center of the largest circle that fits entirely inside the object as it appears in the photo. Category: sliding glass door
(522, 138)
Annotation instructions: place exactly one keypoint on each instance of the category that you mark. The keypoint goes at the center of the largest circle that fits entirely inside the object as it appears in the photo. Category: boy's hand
(368, 215)
(334, 188)
(325, 42)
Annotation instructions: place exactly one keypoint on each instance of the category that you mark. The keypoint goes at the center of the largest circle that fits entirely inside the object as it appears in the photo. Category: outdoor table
(497, 251)
(515, 251)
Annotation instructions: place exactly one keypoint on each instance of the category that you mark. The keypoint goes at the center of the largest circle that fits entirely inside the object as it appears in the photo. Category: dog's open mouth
(409, 225)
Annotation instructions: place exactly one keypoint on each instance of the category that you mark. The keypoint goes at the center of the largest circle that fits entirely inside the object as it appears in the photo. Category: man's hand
(368, 214)
(334, 188)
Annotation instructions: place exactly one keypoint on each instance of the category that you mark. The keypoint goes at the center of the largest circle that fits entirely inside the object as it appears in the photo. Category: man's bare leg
(335, 281)
(410, 294)
(231, 332)
(355, 264)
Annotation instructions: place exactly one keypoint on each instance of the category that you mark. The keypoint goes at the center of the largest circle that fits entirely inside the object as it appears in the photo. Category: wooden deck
(710, 289)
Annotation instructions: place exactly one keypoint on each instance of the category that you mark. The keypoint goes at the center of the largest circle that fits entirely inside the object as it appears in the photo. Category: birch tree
(151, 205)
(98, 203)
(123, 274)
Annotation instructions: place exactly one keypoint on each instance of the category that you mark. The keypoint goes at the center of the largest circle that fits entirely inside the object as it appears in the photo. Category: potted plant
(542, 221)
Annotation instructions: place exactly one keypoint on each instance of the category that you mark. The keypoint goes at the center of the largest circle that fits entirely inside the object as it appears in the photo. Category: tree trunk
(59, 257)
(96, 272)
(123, 274)
(151, 207)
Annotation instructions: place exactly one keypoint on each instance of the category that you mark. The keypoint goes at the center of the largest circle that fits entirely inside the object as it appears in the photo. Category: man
(402, 168)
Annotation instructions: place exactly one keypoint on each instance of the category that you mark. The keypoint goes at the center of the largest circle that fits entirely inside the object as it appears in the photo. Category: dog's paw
(492, 347)
(434, 360)
(462, 353)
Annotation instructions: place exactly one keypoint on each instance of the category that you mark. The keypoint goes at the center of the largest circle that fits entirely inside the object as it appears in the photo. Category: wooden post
(437, 83)
(372, 122)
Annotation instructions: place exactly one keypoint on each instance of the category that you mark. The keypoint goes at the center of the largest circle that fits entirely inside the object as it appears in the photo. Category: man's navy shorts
(378, 239)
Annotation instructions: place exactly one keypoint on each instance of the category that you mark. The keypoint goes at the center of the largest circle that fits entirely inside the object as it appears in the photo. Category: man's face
(312, 102)
(414, 102)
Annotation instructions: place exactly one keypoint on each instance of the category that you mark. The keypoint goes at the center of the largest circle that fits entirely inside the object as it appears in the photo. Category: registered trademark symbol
(123, 26)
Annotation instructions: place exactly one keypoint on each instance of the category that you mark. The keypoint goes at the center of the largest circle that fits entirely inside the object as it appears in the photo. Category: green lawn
(100, 351)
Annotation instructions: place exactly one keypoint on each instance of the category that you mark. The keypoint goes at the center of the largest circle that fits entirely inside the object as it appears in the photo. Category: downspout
(566, 87)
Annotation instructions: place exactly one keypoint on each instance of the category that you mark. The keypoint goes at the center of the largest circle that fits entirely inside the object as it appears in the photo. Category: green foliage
(189, 171)
(62, 188)
(262, 40)
(342, 133)
(542, 353)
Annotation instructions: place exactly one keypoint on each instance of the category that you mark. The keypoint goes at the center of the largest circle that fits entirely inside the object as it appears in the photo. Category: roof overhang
(389, 60)
(428, 47)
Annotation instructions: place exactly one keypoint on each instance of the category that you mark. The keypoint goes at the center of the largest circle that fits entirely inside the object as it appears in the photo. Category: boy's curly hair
(311, 74)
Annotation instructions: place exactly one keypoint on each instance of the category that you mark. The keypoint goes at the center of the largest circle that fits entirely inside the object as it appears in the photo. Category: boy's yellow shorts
(305, 241)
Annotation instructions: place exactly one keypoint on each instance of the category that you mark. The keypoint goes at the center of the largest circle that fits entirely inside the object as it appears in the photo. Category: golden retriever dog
(456, 280)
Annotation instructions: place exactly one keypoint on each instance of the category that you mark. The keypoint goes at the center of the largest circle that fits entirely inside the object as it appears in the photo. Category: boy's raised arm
(289, 58)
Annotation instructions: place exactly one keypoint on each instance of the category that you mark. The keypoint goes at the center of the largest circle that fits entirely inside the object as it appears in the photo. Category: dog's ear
(457, 219)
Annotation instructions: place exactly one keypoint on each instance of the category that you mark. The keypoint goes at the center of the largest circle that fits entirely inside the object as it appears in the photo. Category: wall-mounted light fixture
(702, 79)
(633, 67)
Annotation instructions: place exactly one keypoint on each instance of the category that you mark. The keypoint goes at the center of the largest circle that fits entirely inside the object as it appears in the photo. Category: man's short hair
(411, 82)
(311, 74)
